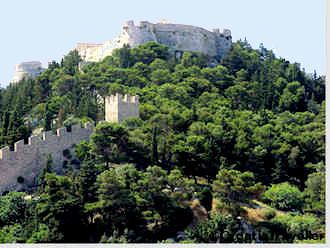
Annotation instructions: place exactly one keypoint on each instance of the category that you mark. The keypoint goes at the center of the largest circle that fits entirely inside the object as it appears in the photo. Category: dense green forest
(227, 152)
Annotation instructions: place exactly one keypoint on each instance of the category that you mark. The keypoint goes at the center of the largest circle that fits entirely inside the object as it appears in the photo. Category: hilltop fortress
(29, 69)
(177, 37)
(20, 167)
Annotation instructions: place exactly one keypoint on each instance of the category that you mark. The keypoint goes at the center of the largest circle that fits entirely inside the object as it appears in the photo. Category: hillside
(212, 139)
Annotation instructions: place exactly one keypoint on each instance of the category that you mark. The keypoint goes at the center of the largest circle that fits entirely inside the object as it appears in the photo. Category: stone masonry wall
(27, 160)
(119, 108)
(177, 37)
(29, 69)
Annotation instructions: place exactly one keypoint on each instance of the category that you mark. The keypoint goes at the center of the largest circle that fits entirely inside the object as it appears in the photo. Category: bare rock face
(177, 37)
(29, 69)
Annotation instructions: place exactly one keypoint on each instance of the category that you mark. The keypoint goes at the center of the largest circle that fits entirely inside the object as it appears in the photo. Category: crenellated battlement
(5, 153)
(27, 159)
(122, 98)
(120, 107)
(43, 140)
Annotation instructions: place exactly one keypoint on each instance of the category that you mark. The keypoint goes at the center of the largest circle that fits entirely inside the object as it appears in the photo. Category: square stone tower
(119, 107)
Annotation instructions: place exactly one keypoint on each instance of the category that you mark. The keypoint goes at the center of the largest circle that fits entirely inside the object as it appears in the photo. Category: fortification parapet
(34, 140)
(216, 30)
(61, 131)
(27, 160)
(120, 107)
(19, 146)
(76, 128)
(5, 153)
(129, 99)
(129, 23)
(30, 69)
(177, 37)
(226, 32)
(48, 135)
(114, 99)
(145, 25)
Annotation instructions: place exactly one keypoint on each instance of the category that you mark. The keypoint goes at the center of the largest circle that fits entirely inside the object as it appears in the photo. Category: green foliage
(208, 129)
(60, 210)
(71, 62)
(40, 235)
(205, 198)
(47, 169)
(83, 151)
(190, 59)
(12, 208)
(284, 196)
(315, 192)
(137, 201)
(109, 142)
(11, 234)
(219, 229)
(300, 227)
(292, 97)
(234, 186)
(269, 213)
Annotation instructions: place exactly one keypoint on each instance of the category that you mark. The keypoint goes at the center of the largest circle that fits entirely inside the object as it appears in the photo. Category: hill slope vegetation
(211, 141)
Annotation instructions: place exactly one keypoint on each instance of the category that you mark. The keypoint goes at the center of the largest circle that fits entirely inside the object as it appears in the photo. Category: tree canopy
(211, 141)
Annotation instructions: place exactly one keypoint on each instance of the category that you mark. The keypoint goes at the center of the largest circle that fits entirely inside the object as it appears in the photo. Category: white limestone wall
(177, 37)
(27, 160)
(186, 38)
(90, 51)
(119, 108)
(27, 69)
(128, 107)
(111, 108)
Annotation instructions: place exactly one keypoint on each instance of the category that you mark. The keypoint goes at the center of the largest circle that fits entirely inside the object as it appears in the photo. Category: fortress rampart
(20, 167)
(27, 69)
(27, 160)
(177, 37)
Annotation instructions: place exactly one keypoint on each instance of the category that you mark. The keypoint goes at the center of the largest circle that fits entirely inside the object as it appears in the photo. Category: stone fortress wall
(27, 69)
(27, 160)
(119, 107)
(177, 37)
(89, 51)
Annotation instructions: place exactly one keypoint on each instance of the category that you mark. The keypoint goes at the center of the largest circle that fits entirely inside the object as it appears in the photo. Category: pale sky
(46, 30)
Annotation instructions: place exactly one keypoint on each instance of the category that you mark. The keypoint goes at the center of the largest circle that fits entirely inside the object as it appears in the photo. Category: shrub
(12, 208)
(220, 228)
(205, 198)
(67, 153)
(300, 227)
(269, 213)
(11, 234)
(75, 163)
(284, 196)
(65, 164)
